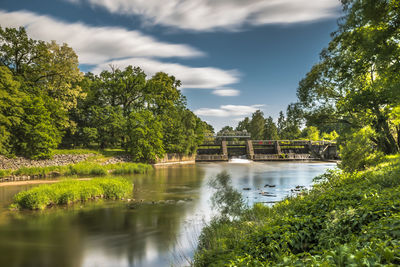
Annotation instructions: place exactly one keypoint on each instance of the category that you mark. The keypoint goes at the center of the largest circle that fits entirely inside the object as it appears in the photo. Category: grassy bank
(81, 169)
(348, 219)
(71, 191)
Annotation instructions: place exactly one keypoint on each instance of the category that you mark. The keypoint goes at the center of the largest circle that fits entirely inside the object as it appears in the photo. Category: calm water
(110, 233)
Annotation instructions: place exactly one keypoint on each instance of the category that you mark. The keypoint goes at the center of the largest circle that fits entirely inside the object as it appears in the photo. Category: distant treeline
(289, 127)
(47, 102)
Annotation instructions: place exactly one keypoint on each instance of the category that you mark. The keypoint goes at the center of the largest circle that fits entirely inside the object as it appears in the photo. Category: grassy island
(70, 191)
(347, 219)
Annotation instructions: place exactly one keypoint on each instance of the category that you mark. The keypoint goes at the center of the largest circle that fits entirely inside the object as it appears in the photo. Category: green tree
(243, 125)
(257, 125)
(36, 135)
(10, 108)
(144, 137)
(311, 133)
(270, 130)
(357, 81)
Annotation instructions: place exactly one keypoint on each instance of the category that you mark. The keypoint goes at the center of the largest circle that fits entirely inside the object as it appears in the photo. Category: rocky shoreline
(57, 160)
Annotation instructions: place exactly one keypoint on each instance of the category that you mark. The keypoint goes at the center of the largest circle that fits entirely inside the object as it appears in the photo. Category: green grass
(75, 151)
(347, 219)
(82, 169)
(130, 168)
(80, 151)
(71, 191)
(5, 173)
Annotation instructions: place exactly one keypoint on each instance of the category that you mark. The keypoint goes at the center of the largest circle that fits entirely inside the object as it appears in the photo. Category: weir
(220, 149)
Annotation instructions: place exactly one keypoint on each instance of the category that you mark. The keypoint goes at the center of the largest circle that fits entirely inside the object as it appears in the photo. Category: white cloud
(206, 77)
(102, 46)
(206, 15)
(226, 92)
(95, 44)
(228, 111)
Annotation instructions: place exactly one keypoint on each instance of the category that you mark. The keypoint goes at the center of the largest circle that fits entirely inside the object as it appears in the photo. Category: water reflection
(114, 234)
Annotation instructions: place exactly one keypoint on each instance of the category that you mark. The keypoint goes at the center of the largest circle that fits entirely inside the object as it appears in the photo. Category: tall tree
(270, 130)
(257, 125)
(357, 82)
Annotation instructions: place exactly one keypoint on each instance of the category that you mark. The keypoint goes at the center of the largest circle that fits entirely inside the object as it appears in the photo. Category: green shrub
(70, 191)
(4, 173)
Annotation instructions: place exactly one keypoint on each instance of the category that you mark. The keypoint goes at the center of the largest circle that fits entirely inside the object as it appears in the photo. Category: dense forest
(47, 102)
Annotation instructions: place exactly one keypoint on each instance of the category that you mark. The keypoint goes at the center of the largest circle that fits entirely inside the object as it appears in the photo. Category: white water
(240, 160)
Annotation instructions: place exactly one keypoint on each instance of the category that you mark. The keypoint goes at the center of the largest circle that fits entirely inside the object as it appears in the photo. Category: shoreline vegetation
(80, 169)
(100, 163)
(346, 219)
(72, 191)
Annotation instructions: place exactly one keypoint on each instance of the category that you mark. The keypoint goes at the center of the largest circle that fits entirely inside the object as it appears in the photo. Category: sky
(233, 57)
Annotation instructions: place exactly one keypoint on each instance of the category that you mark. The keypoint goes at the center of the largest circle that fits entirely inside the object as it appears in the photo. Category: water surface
(162, 231)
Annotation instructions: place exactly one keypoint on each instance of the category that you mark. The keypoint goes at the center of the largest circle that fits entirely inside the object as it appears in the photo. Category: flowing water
(160, 231)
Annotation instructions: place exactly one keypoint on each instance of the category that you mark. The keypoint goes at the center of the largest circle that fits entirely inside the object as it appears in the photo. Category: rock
(247, 188)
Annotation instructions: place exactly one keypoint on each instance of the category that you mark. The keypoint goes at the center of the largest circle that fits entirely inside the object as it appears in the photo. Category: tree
(244, 125)
(357, 81)
(270, 130)
(36, 135)
(10, 108)
(311, 133)
(257, 125)
(144, 137)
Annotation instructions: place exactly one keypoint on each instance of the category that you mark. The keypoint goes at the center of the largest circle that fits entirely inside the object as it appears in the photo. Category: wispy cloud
(191, 77)
(95, 44)
(102, 46)
(228, 111)
(206, 15)
(226, 92)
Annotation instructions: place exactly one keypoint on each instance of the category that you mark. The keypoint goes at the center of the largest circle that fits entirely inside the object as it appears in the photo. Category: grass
(347, 219)
(79, 151)
(71, 191)
(5, 173)
(81, 169)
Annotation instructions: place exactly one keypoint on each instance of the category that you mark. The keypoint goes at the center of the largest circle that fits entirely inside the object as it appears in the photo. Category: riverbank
(80, 162)
(346, 219)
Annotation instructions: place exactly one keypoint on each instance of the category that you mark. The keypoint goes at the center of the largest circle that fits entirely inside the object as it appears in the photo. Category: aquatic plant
(71, 191)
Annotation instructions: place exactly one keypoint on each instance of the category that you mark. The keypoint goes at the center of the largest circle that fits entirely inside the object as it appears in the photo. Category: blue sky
(232, 56)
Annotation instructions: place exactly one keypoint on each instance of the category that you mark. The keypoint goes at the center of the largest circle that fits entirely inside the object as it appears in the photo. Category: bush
(70, 191)
(359, 151)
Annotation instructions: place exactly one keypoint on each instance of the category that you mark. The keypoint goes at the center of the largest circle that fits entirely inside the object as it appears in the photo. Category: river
(161, 231)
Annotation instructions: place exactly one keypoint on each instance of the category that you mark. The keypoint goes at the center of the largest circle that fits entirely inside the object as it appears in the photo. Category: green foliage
(257, 125)
(145, 137)
(81, 169)
(356, 83)
(311, 133)
(45, 100)
(347, 219)
(69, 191)
(10, 107)
(270, 130)
(4, 173)
(358, 151)
(332, 136)
(130, 168)
(36, 135)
